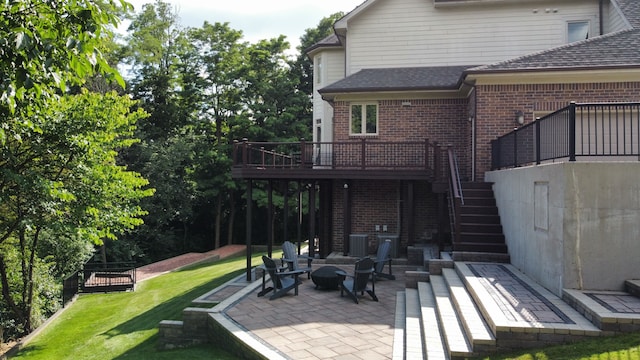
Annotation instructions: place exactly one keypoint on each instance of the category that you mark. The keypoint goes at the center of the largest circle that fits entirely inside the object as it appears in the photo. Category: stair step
(477, 193)
(480, 247)
(398, 334)
(477, 185)
(476, 329)
(413, 335)
(467, 227)
(480, 201)
(474, 209)
(480, 218)
(480, 237)
(456, 341)
(433, 340)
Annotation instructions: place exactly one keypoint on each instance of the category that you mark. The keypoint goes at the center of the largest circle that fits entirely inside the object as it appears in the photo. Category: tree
(64, 180)
(46, 47)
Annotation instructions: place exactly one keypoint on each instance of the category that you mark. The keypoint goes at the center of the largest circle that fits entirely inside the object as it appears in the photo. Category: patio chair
(283, 281)
(358, 283)
(382, 257)
(291, 258)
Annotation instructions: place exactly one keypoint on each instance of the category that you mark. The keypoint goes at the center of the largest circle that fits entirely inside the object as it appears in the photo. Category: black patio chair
(283, 281)
(358, 283)
(382, 257)
(291, 258)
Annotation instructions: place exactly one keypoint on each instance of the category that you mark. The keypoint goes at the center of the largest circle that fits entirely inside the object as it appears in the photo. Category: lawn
(125, 325)
(621, 347)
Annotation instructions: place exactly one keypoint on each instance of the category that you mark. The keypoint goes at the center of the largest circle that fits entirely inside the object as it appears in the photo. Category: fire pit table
(325, 277)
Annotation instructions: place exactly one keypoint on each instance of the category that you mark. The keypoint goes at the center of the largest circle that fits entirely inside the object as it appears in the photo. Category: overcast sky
(258, 19)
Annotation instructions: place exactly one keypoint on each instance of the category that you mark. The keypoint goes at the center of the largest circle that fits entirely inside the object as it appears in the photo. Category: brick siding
(496, 106)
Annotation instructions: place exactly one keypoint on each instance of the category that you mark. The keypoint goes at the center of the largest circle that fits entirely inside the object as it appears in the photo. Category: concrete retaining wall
(572, 225)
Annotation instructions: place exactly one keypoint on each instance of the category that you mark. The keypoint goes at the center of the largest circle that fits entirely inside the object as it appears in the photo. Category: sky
(258, 19)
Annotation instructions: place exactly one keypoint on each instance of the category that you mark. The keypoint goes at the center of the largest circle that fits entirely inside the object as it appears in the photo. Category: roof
(330, 41)
(400, 79)
(631, 11)
(620, 49)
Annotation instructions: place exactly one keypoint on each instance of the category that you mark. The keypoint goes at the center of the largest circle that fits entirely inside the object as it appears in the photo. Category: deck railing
(104, 277)
(360, 154)
(603, 131)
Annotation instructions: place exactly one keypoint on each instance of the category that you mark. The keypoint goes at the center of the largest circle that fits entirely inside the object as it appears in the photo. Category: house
(403, 86)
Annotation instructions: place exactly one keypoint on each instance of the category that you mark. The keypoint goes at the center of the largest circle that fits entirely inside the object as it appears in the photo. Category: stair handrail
(456, 198)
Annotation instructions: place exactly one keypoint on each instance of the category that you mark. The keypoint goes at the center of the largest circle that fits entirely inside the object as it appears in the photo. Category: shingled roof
(620, 49)
(400, 79)
(631, 11)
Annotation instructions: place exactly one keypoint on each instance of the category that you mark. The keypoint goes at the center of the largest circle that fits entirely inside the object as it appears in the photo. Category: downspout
(473, 129)
(601, 10)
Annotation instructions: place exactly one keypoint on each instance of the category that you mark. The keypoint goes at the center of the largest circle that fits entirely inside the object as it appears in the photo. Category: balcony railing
(347, 155)
(608, 131)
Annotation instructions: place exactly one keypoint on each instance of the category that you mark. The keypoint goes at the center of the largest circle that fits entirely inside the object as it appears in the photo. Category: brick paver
(319, 324)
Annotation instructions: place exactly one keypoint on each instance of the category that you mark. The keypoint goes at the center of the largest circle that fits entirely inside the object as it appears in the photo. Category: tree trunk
(6, 295)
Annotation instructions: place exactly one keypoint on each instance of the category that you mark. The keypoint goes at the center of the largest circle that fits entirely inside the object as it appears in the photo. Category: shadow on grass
(172, 308)
(615, 347)
(148, 350)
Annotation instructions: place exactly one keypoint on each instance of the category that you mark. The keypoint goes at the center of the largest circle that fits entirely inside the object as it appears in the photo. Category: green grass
(125, 325)
(622, 347)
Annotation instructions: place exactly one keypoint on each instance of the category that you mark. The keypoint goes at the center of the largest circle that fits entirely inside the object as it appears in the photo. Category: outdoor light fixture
(519, 117)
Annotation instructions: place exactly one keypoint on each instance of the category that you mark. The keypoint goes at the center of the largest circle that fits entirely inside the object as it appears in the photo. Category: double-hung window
(364, 118)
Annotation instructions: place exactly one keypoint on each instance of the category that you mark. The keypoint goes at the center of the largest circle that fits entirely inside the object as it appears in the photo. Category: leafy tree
(46, 47)
(64, 181)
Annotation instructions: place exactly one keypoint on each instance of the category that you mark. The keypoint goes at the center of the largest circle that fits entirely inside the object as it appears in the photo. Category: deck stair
(480, 228)
(478, 308)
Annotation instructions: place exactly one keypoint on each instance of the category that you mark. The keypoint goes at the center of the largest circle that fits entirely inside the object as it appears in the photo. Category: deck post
(248, 227)
(572, 131)
(270, 217)
(299, 222)
(346, 207)
(411, 232)
(285, 210)
(312, 218)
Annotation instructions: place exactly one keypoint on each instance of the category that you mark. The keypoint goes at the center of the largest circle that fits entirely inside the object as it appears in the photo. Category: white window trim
(364, 122)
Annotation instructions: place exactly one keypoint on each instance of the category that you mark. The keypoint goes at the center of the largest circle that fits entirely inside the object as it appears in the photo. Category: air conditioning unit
(358, 245)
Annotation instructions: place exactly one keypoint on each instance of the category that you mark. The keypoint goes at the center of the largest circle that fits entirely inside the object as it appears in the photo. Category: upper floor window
(364, 118)
(577, 30)
(318, 70)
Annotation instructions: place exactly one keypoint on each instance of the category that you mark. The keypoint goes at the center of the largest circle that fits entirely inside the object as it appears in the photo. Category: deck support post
(346, 206)
(270, 218)
(285, 211)
(411, 220)
(312, 218)
(248, 227)
(299, 224)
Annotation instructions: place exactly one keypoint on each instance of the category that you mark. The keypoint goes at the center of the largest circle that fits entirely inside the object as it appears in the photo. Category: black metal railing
(70, 287)
(359, 154)
(600, 130)
(456, 197)
(108, 276)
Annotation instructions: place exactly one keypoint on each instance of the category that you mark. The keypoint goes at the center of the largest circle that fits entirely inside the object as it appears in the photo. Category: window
(364, 119)
(318, 69)
(577, 30)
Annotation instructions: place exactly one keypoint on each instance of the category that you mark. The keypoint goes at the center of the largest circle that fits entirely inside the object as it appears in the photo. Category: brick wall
(438, 120)
(496, 106)
(376, 203)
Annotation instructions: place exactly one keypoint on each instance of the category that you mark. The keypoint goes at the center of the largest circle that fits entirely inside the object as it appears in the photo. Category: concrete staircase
(458, 313)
